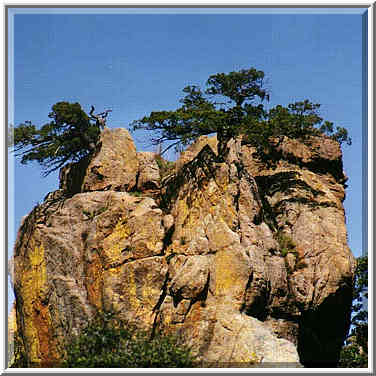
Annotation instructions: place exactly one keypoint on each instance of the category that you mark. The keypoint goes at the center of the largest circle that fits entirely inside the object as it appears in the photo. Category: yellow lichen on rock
(201, 261)
(36, 315)
(115, 242)
(135, 289)
(225, 273)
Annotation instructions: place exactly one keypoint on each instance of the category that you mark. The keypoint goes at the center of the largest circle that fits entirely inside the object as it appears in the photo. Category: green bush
(286, 244)
(107, 343)
(352, 356)
(165, 167)
(70, 136)
(91, 215)
(354, 353)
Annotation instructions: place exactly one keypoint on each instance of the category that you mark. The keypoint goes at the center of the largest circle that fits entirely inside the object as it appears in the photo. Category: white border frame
(370, 180)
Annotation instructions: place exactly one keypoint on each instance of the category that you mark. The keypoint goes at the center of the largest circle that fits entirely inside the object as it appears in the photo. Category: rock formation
(245, 259)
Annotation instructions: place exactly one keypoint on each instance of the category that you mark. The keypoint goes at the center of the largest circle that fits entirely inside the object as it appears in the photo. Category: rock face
(148, 175)
(114, 166)
(191, 152)
(245, 259)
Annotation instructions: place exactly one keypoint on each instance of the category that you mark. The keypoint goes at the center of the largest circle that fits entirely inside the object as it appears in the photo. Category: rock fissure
(156, 308)
(129, 261)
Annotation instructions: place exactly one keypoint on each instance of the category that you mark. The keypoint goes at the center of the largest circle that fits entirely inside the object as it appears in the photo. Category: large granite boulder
(114, 166)
(245, 259)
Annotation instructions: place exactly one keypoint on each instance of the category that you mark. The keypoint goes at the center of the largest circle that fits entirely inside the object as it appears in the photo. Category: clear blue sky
(137, 63)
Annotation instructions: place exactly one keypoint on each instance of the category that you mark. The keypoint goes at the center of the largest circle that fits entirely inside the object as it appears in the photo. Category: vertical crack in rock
(157, 307)
(201, 296)
(167, 240)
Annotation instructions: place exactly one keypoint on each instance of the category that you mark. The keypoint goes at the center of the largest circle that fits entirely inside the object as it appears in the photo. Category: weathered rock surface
(94, 250)
(245, 259)
(148, 177)
(114, 166)
(191, 152)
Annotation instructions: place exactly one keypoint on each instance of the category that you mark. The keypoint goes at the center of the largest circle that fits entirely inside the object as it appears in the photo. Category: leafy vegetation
(233, 104)
(106, 343)
(91, 215)
(136, 193)
(68, 137)
(165, 167)
(354, 353)
(286, 244)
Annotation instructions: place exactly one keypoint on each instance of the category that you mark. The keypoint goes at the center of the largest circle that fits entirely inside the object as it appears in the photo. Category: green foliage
(342, 135)
(91, 215)
(200, 114)
(195, 118)
(354, 353)
(136, 193)
(286, 244)
(232, 105)
(106, 343)
(69, 136)
(165, 167)
(352, 357)
(242, 86)
(298, 120)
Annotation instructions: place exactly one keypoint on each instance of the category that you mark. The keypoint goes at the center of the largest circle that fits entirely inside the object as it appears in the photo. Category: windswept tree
(233, 104)
(69, 136)
(228, 104)
(298, 120)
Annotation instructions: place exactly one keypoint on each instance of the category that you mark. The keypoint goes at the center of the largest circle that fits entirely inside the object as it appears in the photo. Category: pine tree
(233, 104)
(68, 137)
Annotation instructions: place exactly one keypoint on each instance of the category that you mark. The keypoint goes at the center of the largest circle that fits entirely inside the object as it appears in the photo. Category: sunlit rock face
(244, 258)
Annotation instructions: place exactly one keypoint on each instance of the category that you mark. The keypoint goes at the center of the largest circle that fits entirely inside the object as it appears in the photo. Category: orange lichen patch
(182, 210)
(193, 325)
(94, 281)
(195, 313)
(47, 344)
(220, 203)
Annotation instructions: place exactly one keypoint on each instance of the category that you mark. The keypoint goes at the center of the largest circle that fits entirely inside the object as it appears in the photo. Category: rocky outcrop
(148, 177)
(245, 259)
(302, 196)
(191, 152)
(114, 166)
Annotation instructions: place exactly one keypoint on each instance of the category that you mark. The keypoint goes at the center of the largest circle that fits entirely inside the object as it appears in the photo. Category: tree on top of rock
(233, 104)
(68, 137)
(227, 102)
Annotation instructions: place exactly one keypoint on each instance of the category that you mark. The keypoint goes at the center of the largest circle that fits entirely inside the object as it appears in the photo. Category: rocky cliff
(245, 259)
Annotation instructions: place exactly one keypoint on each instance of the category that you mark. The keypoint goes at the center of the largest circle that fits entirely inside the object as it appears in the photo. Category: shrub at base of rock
(108, 343)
